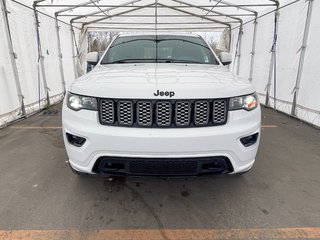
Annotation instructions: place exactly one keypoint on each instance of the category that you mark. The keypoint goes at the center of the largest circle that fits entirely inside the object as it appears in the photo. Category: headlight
(248, 102)
(77, 102)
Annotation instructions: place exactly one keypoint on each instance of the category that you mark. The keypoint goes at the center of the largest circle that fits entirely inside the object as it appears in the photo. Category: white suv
(160, 104)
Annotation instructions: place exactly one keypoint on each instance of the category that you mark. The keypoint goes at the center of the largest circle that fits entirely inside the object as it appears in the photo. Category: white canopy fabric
(274, 44)
(175, 15)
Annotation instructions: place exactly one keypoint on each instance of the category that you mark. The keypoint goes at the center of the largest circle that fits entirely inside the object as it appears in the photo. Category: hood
(143, 80)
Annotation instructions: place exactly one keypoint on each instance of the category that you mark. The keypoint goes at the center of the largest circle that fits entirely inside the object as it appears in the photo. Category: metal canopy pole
(302, 55)
(13, 57)
(253, 50)
(100, 19)
(206, 6)
(59, 40)
(41, 57)
(273, 61)
(242, 7)
(99, 8)
(152, 23)
(151, 15)
(73, 44)
(156, 15)
(239, 48)
(153, 29)
(210, 11)
(95, 14)
(76, 6)
(118, 14)
(239, 44)
(60, 54)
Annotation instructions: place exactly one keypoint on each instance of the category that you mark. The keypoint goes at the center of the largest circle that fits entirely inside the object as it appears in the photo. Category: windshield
(161, 49)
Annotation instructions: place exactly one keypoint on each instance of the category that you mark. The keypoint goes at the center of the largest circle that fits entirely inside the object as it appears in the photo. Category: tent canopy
(183, 15)
(279, 55)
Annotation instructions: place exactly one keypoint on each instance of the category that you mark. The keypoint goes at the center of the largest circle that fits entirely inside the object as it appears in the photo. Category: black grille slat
(107, 111)
(219, 111)
(125, 113)
(144, 113)
(156, 167)
(201, 113)
(163, 113)
(182, 113)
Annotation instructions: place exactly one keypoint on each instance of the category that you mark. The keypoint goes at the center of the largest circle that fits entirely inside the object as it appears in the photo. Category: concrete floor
(38, 190)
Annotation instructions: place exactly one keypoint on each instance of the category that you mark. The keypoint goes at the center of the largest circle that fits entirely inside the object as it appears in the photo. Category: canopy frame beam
(99, 7)
(75, 7)
(93, 14)
(243, 7)
(60, 54)
(56, 14)
(153, 29)
(208, 10)
(151, 16)
(253, 49)
(40, 55)
(196, 15)
(150, 23)
(238, 50)
(118, 14)
(205, 6)
(273, 61)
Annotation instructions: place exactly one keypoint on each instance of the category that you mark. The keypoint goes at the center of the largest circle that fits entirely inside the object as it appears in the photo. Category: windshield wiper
(177, 60)
(165, 60)
(132, 60)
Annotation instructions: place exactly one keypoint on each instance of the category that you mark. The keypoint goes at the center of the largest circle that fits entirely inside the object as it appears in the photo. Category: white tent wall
(233, 49)
(24, 39)
(8, 92)
(291, 27)
(264, 40)
(82, 49)
(245, 55)
(22, 29)
(50, 53)
(67, 55)
(308, 107)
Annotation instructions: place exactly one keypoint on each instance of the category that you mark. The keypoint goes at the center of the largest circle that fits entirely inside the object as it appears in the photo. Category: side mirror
(93, 58)
(225, 58)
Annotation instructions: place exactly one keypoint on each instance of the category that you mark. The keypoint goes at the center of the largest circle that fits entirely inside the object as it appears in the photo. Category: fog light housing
(75, 140)
(249, 140)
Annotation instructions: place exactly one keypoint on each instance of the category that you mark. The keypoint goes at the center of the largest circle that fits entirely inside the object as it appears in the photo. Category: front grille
(163, 113)
(156, 167)
(162, 166)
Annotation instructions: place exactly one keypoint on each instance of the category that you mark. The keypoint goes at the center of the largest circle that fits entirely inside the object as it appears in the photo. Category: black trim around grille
(151, 113)
(162, 166)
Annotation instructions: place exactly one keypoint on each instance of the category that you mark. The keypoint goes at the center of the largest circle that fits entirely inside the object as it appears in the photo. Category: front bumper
(154, 143)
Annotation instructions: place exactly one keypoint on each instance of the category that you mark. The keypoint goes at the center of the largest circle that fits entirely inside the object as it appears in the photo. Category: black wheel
(81, 174)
